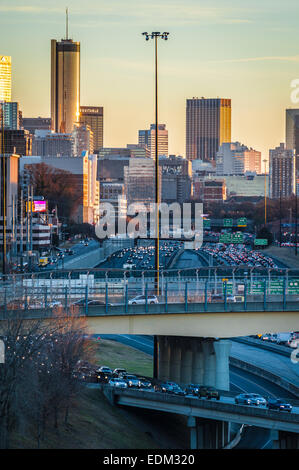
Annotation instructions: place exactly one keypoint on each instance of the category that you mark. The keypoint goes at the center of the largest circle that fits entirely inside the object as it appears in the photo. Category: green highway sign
(206, 223)
(261, 241)
(242, 222)
(276, 286)
(225, 238)
(227, 222)
(229, 287)
(237, 237)
(256, 287)
(293, 286)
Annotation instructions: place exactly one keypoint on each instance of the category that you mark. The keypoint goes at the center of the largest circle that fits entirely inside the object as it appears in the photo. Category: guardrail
(202, 286)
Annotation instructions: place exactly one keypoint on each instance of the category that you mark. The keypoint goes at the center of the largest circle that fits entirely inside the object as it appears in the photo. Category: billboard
(39, 206)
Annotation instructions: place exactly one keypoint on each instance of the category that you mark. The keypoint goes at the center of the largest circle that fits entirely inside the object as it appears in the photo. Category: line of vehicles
(119, 378)
(290, 339)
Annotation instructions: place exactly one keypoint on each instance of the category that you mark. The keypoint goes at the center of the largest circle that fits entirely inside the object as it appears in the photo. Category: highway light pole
(155, 36)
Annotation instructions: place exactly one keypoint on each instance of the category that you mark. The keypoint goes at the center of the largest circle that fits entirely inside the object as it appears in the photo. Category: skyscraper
(5, 78)
(208, 125)
(282, 172)
(147, 139)
(11, 114)
(93, 116)
(292, 130)
(65, 84)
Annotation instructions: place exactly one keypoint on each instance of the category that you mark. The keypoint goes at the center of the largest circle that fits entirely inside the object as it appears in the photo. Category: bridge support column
(186, 361)
(164, 357)
(288, 440)
(175, 359)
(209, 374)
(212, 434)
(197, 362)
(222, 349)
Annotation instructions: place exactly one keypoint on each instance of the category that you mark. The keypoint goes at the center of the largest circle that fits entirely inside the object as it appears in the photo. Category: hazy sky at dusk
(246, 51)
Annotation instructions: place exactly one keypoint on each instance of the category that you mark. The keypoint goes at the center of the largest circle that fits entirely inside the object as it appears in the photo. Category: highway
(240, 382)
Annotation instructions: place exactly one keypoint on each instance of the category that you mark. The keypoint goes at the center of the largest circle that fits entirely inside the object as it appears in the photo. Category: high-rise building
(50, 144)
(233, 158)
(11, 114)
(147, 139)
(36, 124)
(208, 125)
(65, 84)
(282, 172)
(82, 139)
(139, 178)
(93, 116)
(176, 179)
(5, 78)
(292, 130)
(17, 141)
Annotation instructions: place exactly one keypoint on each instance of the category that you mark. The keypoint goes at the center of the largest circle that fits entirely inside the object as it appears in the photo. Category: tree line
(38, 381)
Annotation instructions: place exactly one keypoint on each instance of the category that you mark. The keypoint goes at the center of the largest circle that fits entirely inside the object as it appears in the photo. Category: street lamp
(155, 36)
(265, 161)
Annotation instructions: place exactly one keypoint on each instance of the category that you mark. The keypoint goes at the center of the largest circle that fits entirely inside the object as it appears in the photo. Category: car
(208, 392)
(105, 369)
(279, 404)
(217, 298)
(119, 371)
(118, 382)
(68, 251)
(231, 298)
(131, 380)
(192, 389)
(177, 390)
(144, 383)
(104, 377)
(54, 303)
(250, 399)
(141, 300)
(165, 387)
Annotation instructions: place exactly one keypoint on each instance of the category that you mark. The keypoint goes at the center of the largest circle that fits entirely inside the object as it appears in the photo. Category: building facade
(208, 125)
(82, 139)
(65, 84)
(282, 172)
(11, 114)
(48, 144)
(93, 116)
(147, 139)
(5, 78)
(234, 158)
(36, 124)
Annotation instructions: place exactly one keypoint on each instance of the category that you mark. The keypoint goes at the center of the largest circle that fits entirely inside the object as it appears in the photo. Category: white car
(141, 300)
(118, 383)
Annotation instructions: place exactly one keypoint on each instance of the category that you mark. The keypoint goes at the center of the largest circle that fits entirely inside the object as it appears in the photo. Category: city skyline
(117, 68)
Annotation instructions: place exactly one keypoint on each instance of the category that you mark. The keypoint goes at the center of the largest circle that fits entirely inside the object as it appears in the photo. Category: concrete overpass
(209, 421)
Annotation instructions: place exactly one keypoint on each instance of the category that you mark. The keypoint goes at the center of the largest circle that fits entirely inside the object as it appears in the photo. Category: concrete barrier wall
(292, 388)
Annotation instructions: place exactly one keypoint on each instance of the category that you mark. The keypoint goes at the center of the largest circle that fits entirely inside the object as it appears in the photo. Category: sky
(246, 51)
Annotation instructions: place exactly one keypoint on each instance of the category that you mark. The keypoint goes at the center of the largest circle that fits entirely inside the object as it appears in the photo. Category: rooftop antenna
(67, 23)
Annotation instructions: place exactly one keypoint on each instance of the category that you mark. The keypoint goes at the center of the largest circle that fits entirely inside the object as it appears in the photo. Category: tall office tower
(65, 84)
(93, 116)
(11, 114)
(292, 130)
(282, 172)
(147, 139)
(5, 78)
(138, 179)
(208, 125)
(82, 139)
